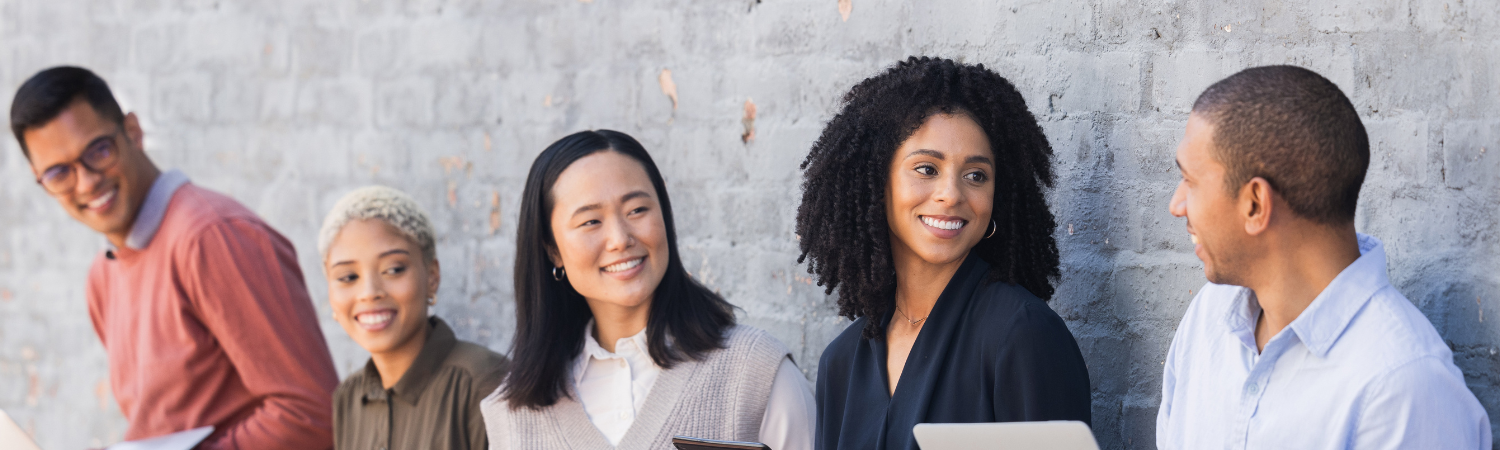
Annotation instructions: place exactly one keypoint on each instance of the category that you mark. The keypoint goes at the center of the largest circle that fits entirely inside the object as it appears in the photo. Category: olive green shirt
(434, 406)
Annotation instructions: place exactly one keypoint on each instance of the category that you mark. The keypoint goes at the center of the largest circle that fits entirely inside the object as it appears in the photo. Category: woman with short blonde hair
(421, 388)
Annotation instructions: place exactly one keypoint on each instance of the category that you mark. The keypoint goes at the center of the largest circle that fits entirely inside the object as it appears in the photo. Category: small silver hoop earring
(558, 273)
(993, 228)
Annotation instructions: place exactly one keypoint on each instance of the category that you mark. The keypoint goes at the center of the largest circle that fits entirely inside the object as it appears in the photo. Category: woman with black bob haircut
(923, 205)
(616, 346)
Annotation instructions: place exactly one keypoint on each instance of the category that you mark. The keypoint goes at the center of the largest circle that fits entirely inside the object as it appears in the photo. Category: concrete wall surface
(287, 105)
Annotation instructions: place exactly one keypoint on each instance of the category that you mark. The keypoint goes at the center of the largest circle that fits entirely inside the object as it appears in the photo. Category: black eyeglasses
(100, 155)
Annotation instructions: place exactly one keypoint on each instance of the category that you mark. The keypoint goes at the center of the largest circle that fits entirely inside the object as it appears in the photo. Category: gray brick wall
(286, 105)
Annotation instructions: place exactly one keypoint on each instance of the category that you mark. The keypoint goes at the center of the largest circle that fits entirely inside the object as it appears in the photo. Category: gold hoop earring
(993, 228)
(558, 273)
(431, 301)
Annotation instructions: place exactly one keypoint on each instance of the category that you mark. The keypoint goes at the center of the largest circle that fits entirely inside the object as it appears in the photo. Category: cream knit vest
(722, 397)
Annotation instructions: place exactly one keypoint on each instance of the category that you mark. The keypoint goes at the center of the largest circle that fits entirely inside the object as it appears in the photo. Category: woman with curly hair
(923, 205)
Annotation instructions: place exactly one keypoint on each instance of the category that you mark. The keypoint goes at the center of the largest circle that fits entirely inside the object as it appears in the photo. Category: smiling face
(1210, 209)
(941, 190)
(609, 233)
(106, 201)
(378, 285)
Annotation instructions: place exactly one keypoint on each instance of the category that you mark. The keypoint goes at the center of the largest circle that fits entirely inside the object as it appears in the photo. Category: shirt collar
(1244, 310)
(154, 209)
(440, 342)
(592, 350)
(959, 290)
(1320, 325)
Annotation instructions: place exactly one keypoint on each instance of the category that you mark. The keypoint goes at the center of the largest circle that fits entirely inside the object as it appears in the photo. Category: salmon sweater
(210, 323)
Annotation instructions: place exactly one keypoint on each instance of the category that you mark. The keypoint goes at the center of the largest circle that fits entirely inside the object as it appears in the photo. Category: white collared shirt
(1359, 368)
(613, 386)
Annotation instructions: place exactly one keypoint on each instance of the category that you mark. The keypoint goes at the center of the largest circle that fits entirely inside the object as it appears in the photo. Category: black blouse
(990, 352)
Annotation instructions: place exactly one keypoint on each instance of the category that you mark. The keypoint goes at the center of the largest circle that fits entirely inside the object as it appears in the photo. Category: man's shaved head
(1296, 130)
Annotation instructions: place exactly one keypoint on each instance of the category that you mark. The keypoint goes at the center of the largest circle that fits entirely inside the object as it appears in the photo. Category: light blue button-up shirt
(154, 208)
(1361, 368)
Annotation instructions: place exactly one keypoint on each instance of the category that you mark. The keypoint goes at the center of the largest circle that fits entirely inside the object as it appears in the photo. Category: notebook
(12, 437)
(182, 440)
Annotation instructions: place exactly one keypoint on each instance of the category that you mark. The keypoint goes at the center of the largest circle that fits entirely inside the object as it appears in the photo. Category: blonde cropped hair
(385, 204)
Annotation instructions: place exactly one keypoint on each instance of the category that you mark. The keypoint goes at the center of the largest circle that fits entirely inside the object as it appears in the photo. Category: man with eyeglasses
(200, 305)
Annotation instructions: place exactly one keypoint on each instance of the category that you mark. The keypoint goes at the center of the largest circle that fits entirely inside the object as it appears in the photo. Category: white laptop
(1053, 435)
(12, 437)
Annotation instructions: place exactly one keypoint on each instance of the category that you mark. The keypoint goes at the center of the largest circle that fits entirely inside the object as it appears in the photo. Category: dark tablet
(691, 443)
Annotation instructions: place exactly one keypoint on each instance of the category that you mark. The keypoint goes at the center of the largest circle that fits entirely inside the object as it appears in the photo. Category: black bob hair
(551, 315)
(841, 222)
(46, 94)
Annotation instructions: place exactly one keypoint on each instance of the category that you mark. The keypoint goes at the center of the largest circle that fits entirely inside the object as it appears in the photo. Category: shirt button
(622, 363)
(1253, 389)
(622, 416)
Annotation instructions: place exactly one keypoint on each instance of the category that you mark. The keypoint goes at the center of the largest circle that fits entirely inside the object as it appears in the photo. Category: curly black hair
(841, 222)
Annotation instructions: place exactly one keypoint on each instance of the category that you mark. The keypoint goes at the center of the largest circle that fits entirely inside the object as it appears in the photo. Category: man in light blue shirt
(1299, 341)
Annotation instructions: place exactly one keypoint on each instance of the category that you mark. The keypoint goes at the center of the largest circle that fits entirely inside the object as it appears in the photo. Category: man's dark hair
(50, 91)
(686, 320)
(842, 227)
(1296, 130)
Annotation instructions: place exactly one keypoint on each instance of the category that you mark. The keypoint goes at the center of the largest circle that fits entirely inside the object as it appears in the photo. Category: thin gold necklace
(908, 318)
